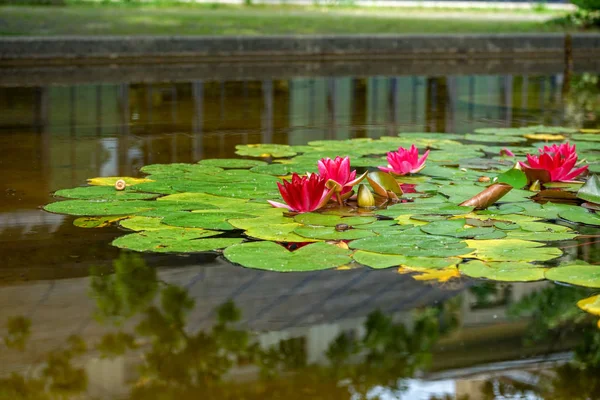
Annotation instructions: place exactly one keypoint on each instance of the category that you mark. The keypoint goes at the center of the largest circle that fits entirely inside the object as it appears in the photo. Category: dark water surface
(198, 327)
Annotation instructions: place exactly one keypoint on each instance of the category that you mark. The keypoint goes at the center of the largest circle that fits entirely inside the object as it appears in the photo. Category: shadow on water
(144, 342)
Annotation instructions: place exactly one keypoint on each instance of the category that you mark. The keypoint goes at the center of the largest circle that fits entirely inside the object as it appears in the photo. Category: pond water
(196, 326)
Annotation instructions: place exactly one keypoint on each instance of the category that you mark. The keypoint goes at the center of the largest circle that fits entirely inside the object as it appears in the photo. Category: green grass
(239, 20)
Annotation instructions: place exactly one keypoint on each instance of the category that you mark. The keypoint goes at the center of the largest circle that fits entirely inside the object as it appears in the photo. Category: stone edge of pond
(124, 49)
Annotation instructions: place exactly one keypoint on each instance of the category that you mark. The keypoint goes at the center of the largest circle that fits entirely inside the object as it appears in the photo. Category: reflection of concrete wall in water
(318, 103)
(74, 114)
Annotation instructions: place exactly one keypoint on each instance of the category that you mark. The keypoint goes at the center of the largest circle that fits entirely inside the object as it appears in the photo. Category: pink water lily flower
(405, 161)
(554, 164)
(506, 152)
(338, 176)
(303, 193)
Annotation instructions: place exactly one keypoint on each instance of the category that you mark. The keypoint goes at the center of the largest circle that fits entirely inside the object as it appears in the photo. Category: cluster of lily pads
(437, 215)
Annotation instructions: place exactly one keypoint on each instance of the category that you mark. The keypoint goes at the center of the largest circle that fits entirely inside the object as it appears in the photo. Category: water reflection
(146, 343)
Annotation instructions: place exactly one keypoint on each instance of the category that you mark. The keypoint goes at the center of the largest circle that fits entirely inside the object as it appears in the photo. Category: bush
(589, 5)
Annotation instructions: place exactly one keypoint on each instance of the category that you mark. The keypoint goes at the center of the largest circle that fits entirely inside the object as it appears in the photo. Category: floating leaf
(544, 136)
(503, 271)
(514, 178)
(591, 190)
(579, 273)
(580, 215)
(210, 219)
(424, 209)
(111, 180)
(173, 241)
(495, 139)
(330, 233)
(102, 193)
(273, 257)
(511, 250)
(231, 163)
(98, 208)
(379, 261)
(178, 169)
(439, 275)
(413, 245)
(331, 220)
(382, 182)
(265, 150)
(97, 222)
(456, 228)
(590, 304)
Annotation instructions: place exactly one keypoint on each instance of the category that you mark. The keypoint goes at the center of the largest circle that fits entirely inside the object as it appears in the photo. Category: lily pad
(265, 150)
(579, 273)
(513, 177)
(503, 271)
(111, 180)
(580, 215)
(413, 245)
(516, 250)
(231, 163)
(177, 169)
(458, 228)
(330, 233)
(590, 304)
(380, 261)
(173, 241)
(273, 257)
(317, 219)
(591, 190)
(206, 219)
(97, 222)
(98, 208)
(102, 193)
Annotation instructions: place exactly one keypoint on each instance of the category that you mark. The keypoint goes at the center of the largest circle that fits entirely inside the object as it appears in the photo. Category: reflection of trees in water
(582, 102)
(554, 316)
(177, 362)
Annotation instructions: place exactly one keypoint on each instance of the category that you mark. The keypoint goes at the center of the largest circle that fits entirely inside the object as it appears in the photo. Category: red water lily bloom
(405, 161)
(303, 193)
(555, 163)
(338, 176)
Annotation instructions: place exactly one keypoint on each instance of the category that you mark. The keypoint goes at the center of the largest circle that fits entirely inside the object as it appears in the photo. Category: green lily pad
(211, 219)
(540, 236)
(138, 224)
(102, 193)
(503, 271)
(317, 219)
(231, 163)
(413, 245)
(173, 241)
(456, 228)
(284, 169)
(513, 177)
(568, 186)
(99, 208)
(579, 273)
(424, 209)
(330, 233)
(273, 257)
(97, 222)
(380, 261)
(580, 215)
(591, 190)
(178, 169)
(516, 250)
(265, 150)
(495, 139)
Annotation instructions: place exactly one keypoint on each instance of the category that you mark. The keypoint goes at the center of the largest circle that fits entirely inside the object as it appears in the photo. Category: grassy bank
(239, 20)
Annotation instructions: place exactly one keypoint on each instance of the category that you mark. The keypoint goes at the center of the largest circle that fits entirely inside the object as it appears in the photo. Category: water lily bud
(518, 166)
(365, 197)
(535, 187)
